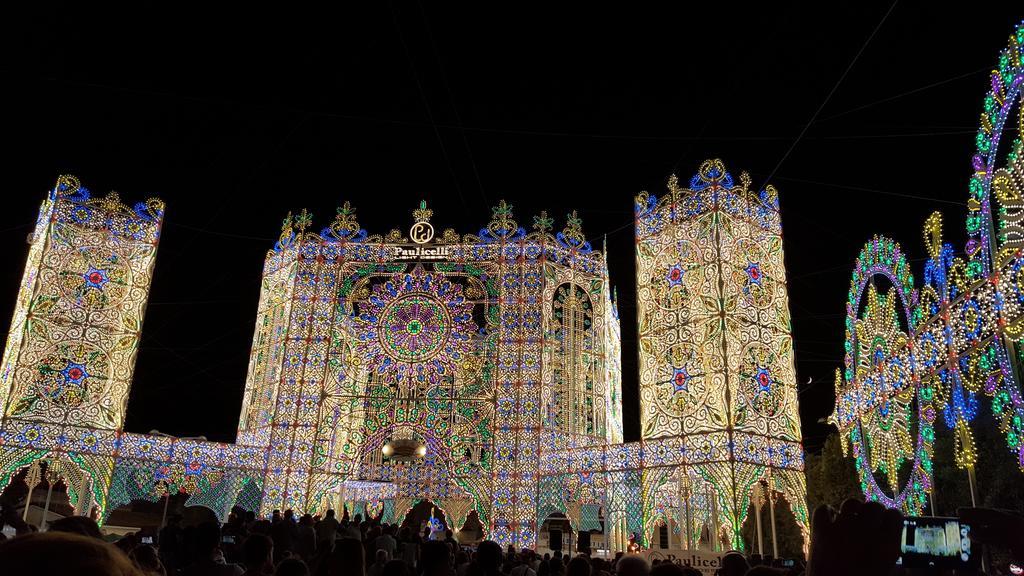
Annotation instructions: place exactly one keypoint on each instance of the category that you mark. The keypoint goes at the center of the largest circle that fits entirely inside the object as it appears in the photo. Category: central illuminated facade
(475, 352)
(480, 372)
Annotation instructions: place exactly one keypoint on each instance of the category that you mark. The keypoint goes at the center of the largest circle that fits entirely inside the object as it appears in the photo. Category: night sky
(236, 118)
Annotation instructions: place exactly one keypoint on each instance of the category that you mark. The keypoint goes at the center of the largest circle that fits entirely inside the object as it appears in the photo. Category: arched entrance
(49, 488)
(416, 385)
(412, 465)
(430, 519)
(426, 520)
(35, 491)
(556, 533)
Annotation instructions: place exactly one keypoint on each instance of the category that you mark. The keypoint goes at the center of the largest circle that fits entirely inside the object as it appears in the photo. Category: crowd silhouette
(859, 539)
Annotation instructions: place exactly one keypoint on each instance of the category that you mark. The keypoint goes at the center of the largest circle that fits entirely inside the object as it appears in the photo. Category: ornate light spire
(502, 223)
(542, 222)
(287, 233)
(573, 233)
(303, 220)
(422, 231)
(422, 214)
(345, 225)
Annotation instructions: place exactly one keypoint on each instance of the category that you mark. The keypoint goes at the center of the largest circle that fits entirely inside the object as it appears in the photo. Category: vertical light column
(506, 475)
(716, 354)
(74, 337)
(73, 342)
(276, 495)
(267, 355)
(613, 367)
(315, 282)
(516, 432)
(528, 401)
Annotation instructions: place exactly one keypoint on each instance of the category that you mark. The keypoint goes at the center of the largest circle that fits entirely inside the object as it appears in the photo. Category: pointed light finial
(573, 232)
(345, 226)
(422, 231)
(286, 225)
(422, 214)
(303, 220)
(542, 222)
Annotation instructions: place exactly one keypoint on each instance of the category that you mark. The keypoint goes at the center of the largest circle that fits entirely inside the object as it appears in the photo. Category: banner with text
(704, 560)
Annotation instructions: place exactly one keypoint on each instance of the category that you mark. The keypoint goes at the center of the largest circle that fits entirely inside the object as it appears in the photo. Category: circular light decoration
(95, 277)
(674, 276)
(758, 289)
(65, 378)
(998, 170)
(683, 387)
(888, 419)
(876, 393)
(758, 381)
(1001, 106)
(415, 326)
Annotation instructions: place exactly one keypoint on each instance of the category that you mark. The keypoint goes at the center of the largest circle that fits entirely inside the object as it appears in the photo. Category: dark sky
(236, 118)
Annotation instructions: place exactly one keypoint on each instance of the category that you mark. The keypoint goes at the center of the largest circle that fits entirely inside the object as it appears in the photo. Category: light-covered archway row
(658, 480)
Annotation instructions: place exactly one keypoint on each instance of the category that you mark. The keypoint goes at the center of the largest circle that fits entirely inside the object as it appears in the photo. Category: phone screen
(147, 539)
(935, 541)
(228, 539)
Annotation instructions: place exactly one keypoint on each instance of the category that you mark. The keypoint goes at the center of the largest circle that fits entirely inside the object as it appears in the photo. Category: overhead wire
(831, 92)
(903, 94)
(434, 125)
(426, 103)
(451, 100)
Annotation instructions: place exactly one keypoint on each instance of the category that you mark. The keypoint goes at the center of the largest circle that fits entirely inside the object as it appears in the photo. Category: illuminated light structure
(717, 384)
(384, 370)
(466, 354)
(917, 355)
(480, 372)
(71, 350)
(717, 380)
(70, 354)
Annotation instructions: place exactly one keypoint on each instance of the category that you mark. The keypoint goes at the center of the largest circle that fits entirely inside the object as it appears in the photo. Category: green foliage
(791, 540)
(999, 482)
(831, 477)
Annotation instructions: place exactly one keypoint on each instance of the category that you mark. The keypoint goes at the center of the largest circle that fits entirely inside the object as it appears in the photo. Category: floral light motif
(417, 326)
(681, 379)
(887, 425)
(753, 270)
(95, 278)
(764, 393)
(675, 275)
